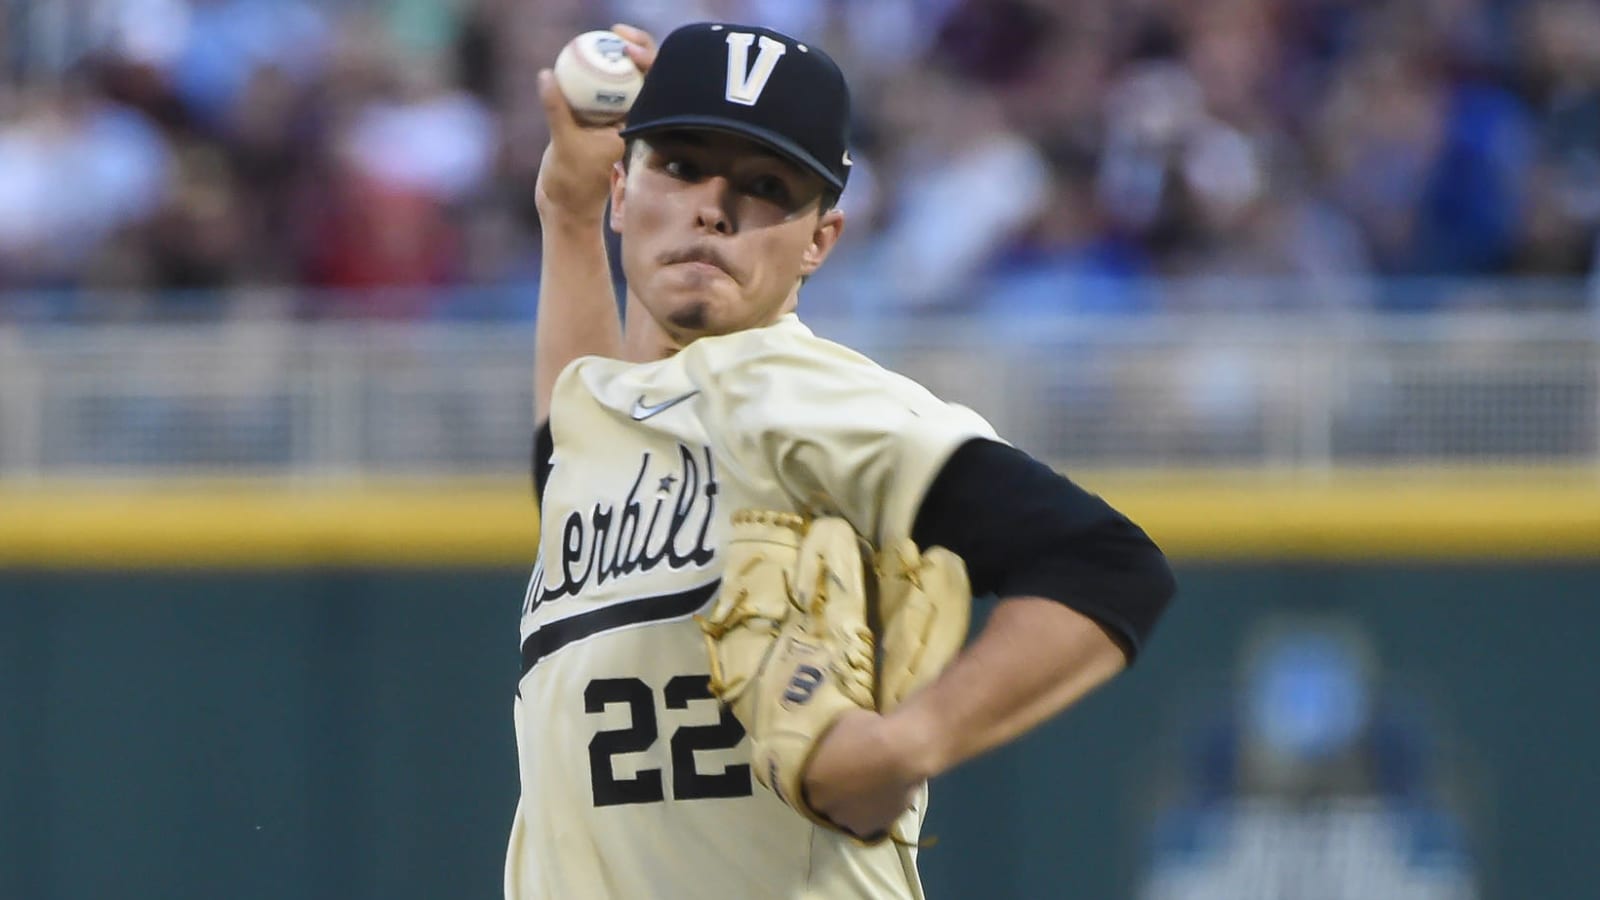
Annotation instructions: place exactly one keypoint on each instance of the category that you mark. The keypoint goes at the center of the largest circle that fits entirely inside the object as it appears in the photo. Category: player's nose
(713, 205)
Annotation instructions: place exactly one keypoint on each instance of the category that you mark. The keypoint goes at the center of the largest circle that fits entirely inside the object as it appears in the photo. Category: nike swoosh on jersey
(642, 412)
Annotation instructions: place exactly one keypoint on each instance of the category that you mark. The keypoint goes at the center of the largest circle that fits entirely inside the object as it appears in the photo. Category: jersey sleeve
(839, 434)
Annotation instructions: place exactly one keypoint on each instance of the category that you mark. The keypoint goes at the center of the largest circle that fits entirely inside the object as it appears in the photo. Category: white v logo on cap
(745, 83)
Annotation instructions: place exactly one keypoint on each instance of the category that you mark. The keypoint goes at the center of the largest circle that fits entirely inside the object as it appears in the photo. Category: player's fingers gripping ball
(789, 637)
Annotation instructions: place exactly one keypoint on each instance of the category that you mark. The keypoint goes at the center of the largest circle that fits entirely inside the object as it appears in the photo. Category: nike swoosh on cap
(642, 411)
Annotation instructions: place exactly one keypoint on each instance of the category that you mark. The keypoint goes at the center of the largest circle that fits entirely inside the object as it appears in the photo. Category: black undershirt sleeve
(1025, 530)
(544, 446)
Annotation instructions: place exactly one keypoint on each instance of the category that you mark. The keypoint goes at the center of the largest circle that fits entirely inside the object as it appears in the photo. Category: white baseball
(597, 77)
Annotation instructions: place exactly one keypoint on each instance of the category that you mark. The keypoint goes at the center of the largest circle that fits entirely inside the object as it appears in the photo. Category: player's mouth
(702, 268)
(702, 260)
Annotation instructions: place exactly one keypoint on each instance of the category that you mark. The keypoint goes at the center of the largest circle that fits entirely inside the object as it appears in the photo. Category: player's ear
(823, 239)
(619, 187)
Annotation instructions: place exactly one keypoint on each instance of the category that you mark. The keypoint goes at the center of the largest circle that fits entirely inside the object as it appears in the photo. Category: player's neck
(644, 340)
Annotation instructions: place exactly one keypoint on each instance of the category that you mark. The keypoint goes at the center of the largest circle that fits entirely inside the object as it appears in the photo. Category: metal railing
(351, 400)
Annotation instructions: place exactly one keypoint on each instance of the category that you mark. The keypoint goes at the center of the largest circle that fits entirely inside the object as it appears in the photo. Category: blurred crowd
(377, 157)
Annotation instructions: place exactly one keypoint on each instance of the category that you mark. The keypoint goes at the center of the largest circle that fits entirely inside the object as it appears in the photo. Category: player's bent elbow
(1116, 576)
(1151, 588)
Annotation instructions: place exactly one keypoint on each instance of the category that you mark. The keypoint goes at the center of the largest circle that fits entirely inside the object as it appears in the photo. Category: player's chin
(698, 312)
(692, 318)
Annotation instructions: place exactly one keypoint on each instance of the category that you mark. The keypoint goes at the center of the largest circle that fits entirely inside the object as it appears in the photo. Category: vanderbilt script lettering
(667, 525)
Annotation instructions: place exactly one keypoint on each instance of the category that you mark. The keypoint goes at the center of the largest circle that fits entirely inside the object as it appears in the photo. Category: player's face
(717, 231)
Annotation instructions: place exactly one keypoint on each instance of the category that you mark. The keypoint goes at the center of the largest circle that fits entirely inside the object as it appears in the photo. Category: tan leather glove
(789, 641)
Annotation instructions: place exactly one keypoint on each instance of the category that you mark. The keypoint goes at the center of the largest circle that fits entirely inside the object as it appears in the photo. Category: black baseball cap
(755, 82)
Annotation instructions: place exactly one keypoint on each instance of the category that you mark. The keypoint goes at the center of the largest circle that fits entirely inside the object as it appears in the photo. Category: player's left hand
(793, 654)
(862, 776)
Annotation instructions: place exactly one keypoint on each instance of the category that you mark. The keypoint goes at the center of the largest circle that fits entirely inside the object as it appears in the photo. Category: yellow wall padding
(1381, 514)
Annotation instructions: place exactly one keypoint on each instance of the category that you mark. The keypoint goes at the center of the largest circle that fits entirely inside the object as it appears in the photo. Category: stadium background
(1306, 286)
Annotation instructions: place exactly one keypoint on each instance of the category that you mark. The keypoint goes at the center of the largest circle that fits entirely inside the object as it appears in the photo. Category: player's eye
(770, 188)
(680, 168)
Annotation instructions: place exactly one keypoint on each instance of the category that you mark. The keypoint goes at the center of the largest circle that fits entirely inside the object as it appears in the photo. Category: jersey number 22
(647, 785)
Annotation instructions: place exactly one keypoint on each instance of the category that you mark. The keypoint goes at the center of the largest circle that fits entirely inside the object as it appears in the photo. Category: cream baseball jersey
(635, 782)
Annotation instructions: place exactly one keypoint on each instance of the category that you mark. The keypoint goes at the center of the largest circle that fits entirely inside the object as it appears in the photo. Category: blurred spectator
(227, 40)
(1036, 156)
(1068, 260)
(405, 161)
(196, 239)
(966, 185)
(429, 138)
(74, 169)
(1561, 39)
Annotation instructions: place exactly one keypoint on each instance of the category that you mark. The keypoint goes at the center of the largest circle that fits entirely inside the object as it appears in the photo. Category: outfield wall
(216, 690)
(346, 733)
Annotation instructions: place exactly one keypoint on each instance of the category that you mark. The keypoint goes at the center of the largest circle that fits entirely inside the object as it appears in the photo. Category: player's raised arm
(577, 309)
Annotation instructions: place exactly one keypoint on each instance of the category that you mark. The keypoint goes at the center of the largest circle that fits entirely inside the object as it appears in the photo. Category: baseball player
(716, 401)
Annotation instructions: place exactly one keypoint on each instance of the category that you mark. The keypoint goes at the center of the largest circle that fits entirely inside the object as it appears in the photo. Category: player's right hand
(575, 174)
(862, 774)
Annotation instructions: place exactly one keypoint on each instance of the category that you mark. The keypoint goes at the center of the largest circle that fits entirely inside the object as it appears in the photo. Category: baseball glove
(792, 641)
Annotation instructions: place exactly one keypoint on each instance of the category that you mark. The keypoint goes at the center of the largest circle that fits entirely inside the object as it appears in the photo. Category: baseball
(597, 77)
